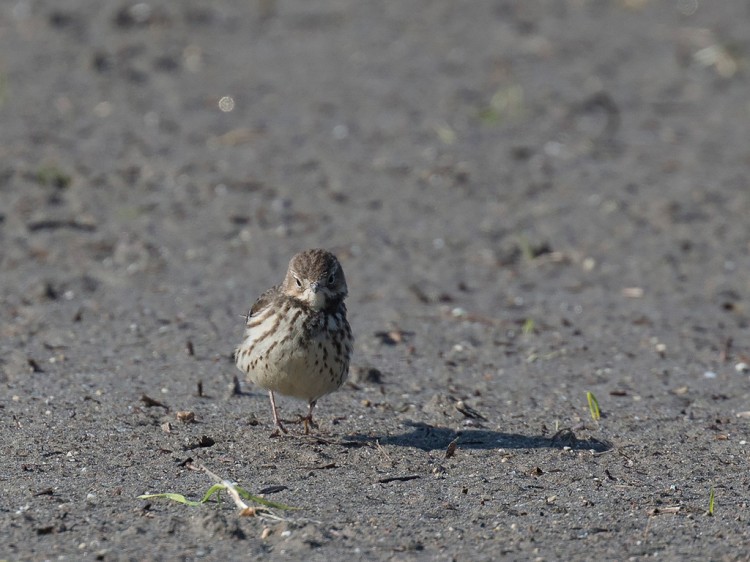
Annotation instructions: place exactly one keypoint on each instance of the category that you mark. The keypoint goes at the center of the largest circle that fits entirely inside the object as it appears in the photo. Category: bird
(297, 339)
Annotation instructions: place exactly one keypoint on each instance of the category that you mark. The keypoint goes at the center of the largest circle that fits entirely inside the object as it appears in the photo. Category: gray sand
(531, 201)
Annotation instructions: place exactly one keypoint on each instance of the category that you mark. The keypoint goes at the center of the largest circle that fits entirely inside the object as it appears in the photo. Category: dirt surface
(531, 201)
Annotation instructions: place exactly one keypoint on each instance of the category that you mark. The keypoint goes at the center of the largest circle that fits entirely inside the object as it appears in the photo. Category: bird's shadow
(429, 438)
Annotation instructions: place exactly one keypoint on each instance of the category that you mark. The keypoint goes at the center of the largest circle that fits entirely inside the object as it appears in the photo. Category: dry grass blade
(451, 450)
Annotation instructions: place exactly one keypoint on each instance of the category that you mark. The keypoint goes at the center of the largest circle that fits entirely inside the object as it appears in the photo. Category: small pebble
(742, 367)
(633, 292)
(185, 416)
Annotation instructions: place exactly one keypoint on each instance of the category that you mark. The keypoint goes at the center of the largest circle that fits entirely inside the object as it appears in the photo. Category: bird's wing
(263, 301)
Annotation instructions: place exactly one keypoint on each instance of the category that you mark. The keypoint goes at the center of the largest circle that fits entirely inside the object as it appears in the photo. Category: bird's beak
(315, 286)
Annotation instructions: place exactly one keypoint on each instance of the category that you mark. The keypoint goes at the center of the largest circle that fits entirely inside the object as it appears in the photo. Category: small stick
(150, 402)
(382, 451)
(725, 350)
(236, 388)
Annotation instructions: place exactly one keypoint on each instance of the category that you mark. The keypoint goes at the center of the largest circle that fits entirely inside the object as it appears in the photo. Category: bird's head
(315, 277)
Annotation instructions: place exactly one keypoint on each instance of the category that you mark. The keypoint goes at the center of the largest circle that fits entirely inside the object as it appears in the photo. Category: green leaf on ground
(593, 406)
(179, 498)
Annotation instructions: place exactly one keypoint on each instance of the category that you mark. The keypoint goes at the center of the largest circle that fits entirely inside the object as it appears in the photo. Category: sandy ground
(531, 201)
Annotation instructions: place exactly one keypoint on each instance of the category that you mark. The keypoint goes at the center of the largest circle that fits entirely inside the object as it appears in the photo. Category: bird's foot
(278, 430)
(308, 421)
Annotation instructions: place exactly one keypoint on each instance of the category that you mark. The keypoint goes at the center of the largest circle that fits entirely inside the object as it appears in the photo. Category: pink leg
(276, 420)
(308, 419)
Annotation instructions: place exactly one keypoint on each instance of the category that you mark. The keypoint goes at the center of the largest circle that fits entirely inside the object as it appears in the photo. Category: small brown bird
(297, 339)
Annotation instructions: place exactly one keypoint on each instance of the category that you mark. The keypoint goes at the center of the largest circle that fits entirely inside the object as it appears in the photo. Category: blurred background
(477, 156)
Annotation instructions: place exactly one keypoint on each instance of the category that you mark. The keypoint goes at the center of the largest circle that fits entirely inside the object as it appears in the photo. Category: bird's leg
(276, 420)
(308, 419)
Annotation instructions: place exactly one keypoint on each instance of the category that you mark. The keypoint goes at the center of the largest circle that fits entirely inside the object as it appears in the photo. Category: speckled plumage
(297, 339)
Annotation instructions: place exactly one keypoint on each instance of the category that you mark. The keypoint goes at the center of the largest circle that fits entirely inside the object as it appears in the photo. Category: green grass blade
(526, 250)
(593, 406)
(528, 327)
(711, 502)
(179, 498)
(211, 491)
(262, 501)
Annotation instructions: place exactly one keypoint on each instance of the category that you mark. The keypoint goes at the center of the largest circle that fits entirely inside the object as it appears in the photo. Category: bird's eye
(299, 283)
(331, 278)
